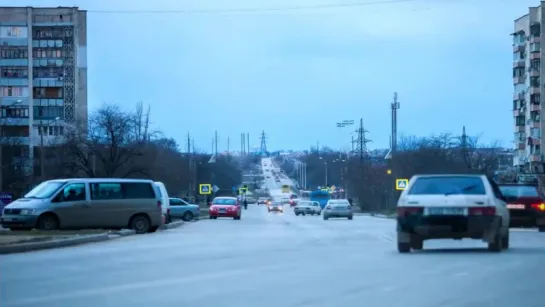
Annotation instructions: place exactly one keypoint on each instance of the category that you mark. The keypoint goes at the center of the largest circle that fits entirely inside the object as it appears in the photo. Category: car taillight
(540, 207)
(405, 211)
(488, 211)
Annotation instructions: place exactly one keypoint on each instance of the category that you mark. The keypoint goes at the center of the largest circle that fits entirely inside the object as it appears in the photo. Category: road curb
(172, 225)
(34, 246)
(380, 216)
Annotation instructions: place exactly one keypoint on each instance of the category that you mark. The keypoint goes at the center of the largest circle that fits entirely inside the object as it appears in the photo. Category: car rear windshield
(519, 191)
(225, 201)
(304, 203)
(455, 185)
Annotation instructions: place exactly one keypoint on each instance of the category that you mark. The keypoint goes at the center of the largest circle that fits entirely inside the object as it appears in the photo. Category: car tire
(140, 224)
(297, 214)
(496, 244)
(211, 217)
(326, 218)
(417, 244)
(505, 241)
(350, 217)
(403, 247)
(541, 229)
(188, 216)
(48, 222)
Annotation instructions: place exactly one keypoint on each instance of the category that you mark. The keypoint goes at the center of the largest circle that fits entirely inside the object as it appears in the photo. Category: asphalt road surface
(274, 259)
(278, 260)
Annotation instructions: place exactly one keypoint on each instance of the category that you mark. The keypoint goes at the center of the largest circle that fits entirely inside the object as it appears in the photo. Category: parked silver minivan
(84, 203)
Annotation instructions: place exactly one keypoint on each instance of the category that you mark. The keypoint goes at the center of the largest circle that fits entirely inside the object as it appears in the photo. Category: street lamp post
(42, 147)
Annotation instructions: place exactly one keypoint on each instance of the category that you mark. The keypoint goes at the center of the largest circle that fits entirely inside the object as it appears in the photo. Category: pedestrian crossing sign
(401, 184)
(205, 189)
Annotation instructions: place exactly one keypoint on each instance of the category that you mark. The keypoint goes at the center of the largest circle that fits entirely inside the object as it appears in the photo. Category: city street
(277, 260)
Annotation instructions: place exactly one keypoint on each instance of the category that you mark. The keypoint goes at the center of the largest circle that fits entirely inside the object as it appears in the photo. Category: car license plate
(516, 206)
(445, 211)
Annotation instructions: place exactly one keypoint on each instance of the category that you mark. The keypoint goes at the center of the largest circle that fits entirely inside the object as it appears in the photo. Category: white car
(307, 207)
(452, 207)
(165, 201)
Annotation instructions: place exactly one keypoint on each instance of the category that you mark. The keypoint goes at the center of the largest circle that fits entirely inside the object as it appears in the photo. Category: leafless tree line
(118, 143)
(372, 181)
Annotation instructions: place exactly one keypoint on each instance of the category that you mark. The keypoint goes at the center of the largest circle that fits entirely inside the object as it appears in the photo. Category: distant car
(180, 209)
(293, 202)
(452, 207)
(525, 204)
(338, 208)
(263, 200)
(276, 206)
(285, 200)
(225, 207)
(307, 207)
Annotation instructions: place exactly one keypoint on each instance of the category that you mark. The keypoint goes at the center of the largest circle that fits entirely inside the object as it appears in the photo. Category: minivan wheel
(48, 221)
(188, 216)
(140, 224)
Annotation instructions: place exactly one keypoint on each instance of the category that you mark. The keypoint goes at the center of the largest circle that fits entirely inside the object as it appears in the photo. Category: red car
(526, 205)
(225, 207)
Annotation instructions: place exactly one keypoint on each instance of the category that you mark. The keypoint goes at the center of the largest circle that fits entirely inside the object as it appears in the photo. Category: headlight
(27, 211)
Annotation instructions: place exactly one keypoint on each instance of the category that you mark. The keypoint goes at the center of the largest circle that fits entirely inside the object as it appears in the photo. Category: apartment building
(527, 80)
(43, 78)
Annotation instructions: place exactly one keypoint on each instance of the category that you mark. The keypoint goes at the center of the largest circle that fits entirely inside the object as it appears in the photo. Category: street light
(42, 147)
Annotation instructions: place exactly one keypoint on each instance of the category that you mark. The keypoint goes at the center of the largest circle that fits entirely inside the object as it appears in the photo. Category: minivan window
(106, 190)
(138, 190)
(448, 185)
(45, 189)
(73, 192)
(121, 190)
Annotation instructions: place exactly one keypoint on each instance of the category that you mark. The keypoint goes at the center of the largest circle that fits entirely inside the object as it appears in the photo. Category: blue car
(180, 209)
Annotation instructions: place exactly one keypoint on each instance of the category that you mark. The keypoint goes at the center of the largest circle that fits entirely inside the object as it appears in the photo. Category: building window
(14, 72)
(17, 112)
(534, 81)
(13, 52)
(48, 72)
(520, 120)
(13, 32)
(534, 116)
(535, 47)
(518, 72)
(15, 131)
(14, 91)
(519, 37)
(535, 98)
(535, 64)
(50, 130)
(42, 53)
(49, 112)
(48, 92)
(519, 55)
(535, 30)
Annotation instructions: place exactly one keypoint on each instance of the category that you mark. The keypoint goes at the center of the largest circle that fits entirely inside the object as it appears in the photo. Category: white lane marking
(136, 286)
(387, 238)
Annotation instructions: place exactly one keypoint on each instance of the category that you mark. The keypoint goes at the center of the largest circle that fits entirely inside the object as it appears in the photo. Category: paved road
(277, 260)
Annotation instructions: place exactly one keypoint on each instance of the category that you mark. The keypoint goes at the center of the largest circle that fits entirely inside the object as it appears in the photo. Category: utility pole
(248, 139)
(395, 106)
(362, 140)
(228, 145)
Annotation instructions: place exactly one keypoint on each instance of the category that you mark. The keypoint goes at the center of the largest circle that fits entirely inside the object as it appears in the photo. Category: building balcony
(534, 73)
(519, 63)
(519, 128)
(536, 157)
(14, 140)
(535, 90)
(521, 146)
(10, 101)
(519, 47)
(535, 39)
(14, 121)
(519, 96)
(534, 124)
(535, 55)
(535, 107)
(518, 79)
(13, 81)
(516, 113)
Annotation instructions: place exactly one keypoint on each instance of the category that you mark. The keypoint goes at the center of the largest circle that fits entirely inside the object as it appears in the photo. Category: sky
(295, 73)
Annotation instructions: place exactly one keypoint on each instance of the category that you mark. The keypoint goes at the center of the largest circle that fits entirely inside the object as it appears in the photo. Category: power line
(250, 10)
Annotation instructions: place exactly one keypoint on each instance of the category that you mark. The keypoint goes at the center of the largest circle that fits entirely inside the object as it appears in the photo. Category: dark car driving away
(526, 205)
